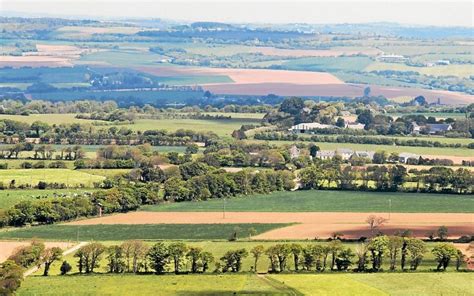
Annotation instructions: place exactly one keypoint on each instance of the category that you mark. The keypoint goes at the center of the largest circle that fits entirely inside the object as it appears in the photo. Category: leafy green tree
(89, 257)
(232, 260)
(11, 276)
(443, 254)
(340, 122)
(115, 258)
(344, 259)
(206, 259)
(177, 252)
(416, 249)
(335, 246)
(39, 126)
(194, 255)
(394, 246)
(292, 106)
(442, 233)
(159, 257)
(257, 252)
(377, 248)
(49, 256)
(296, 251)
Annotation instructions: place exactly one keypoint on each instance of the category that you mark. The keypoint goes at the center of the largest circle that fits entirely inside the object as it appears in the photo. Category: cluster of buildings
(348, 154)
(430, 128)
(309, 127)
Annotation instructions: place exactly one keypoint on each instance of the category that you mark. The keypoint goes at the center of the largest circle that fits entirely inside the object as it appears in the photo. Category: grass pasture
(225, 284)
(330, 201)
(395, 284)
(33, 176)
(10, 197)
(249, 284)
(138, 231)
(223, 127)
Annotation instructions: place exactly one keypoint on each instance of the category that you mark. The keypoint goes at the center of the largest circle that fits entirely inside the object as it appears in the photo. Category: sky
(416, 12)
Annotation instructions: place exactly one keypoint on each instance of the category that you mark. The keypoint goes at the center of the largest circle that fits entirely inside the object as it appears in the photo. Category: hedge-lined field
(330, 201)
(250, 284)
(33, 176)
(9, 198)
(138, 231)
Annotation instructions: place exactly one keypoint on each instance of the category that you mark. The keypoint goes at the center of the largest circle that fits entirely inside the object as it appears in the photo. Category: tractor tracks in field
(281, 287)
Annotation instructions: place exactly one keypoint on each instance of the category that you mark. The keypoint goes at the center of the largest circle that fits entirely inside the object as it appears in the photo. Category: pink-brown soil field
(46, 56)
(8, 247)
(309, 225)
(338, 90)
(249, 76)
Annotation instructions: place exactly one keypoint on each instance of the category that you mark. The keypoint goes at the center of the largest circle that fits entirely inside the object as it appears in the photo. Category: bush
(39, 165)
(3, 166)
(65, 268)
(57, 165)
(42, 185)
(26, 165)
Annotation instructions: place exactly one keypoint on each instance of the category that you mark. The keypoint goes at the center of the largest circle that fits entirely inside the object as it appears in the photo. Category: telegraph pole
(223, 210)
(389, 208)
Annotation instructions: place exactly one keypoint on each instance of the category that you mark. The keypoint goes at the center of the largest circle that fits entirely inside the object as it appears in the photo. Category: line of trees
(399, 252)
(55, 209)
(386, 178)
(355, 139)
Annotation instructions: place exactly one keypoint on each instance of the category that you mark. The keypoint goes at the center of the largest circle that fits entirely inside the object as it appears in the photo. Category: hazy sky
(423, 12)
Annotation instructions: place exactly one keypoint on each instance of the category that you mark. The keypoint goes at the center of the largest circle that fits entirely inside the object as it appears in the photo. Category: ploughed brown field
(8, 247)
(308, 225)
(249, 76)
(339, 90)
(46, 56)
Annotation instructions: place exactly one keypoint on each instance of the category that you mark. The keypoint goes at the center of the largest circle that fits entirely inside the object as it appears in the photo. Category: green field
(223, 127)
(328, 64)
(16, 163)
(454, 70)
(137, 231)
(10, 197)
(397, 284)
(330, 201)
(48, 118)
(33, 176)
(226, 284)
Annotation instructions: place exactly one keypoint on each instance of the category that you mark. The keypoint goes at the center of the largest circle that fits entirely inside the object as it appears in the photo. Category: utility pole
(389, 208)
(223, 210)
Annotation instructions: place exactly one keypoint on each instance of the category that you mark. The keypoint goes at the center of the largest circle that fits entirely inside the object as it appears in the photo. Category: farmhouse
(344, 153)
(404, 157)
(392, 58)
(431, 128)
(325, 154)
(294, 152)
(305, 127)
(434, 128)
(364, 154)
(355, 125)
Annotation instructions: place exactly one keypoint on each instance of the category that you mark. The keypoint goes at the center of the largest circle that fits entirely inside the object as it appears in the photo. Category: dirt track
(310, 225)
(8, 247)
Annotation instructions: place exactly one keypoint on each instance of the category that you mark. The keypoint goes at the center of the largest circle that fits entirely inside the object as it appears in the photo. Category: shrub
(26, 165)
(39, 165)
(57, 165)
(65, 268)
